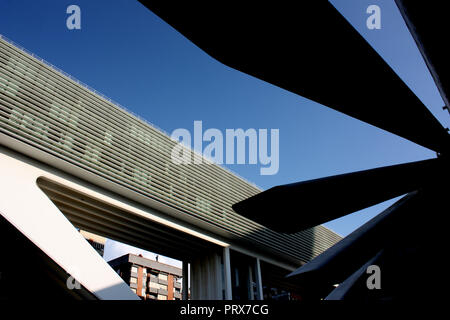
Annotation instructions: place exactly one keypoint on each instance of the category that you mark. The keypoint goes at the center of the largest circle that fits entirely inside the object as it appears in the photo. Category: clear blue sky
(126, 52)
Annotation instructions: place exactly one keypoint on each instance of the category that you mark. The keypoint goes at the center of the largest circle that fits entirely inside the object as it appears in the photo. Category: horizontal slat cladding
(46, 109)
(111, 222)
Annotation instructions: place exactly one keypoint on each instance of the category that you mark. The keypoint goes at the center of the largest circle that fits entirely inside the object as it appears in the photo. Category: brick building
(149, 279)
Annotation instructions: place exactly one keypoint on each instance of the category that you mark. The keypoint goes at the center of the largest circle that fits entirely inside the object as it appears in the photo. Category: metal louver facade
(46, 109)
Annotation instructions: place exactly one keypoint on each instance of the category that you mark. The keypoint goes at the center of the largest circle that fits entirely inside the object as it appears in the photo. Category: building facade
(149, 279)
(90, 164)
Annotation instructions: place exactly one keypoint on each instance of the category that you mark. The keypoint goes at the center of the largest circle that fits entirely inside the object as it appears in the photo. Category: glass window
(133, 280)
(162, 297)
(163, 276)
(163, 287)
(134, 269)
(153, 274)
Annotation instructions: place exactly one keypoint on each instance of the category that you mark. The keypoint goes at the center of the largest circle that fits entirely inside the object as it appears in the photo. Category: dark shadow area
(412, 239)
(28, 273)
(277, 287)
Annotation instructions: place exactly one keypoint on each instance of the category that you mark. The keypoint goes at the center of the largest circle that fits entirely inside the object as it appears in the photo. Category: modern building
(86, 162)
(149, 279)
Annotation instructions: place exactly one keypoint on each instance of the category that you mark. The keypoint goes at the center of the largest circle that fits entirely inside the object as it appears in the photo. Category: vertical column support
(251, 294)
(185, 281)
(227, 273)
(259, 295)
(218, 277)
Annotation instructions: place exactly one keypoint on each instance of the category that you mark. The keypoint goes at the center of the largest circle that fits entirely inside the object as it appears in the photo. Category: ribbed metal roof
(43, 107)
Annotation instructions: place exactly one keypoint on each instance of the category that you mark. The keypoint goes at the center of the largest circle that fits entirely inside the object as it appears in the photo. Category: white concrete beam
(227, 273)
(29, 210)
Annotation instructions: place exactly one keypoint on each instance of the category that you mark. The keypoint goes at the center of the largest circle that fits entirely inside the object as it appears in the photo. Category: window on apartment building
(163, 287)
(162, 276)
(134, 269)
(133, 280)
(153, 274)
(162, 297)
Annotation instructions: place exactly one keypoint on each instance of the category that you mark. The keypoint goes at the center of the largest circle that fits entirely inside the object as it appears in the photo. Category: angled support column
(30, 211)
(206, 277)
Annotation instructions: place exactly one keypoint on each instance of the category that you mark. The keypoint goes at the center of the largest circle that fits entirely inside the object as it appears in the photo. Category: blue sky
(126, 52)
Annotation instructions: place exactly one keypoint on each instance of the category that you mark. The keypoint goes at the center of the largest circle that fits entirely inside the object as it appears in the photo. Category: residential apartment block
(149, 279)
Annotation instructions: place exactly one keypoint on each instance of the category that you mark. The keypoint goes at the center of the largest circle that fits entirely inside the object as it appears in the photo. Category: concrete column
(227, 273)
(258, 281)
(205, 271)
(185, 285)
(250, 283)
